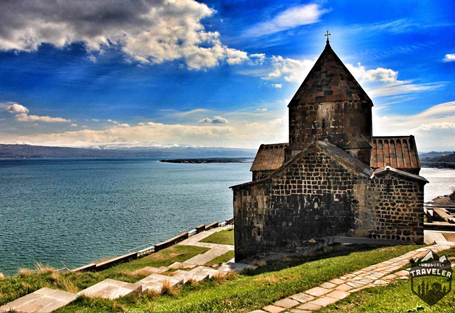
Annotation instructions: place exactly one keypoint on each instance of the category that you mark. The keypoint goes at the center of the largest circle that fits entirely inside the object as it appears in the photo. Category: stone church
(333, 178)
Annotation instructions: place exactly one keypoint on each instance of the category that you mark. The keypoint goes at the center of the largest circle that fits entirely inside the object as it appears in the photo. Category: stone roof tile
(329, 80)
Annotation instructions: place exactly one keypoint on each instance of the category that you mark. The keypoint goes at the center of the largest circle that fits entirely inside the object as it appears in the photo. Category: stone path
(216, 250)
(48, 300)
(339, 288)
(43, 301)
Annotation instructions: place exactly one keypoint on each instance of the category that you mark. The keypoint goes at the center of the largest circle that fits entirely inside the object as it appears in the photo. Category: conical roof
(329, 80)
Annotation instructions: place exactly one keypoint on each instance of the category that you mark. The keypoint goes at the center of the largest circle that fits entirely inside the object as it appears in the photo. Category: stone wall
(310, 199)
(319, 196)
(340, 122)
(251, 205)
(397, 208)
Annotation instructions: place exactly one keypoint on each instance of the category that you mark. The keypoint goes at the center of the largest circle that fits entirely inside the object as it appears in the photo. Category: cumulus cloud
(288, 19)
(449, 57)
(148, 31)
(214, 120)
(16, 108)
(205, 120)
(376, 75)
(21, 114)
(290, 69)
(378, 82)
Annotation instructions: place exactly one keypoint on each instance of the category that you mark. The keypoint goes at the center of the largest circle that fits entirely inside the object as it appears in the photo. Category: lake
(69, 212)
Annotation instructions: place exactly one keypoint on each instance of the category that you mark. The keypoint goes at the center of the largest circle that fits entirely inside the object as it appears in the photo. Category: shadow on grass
(295, 260)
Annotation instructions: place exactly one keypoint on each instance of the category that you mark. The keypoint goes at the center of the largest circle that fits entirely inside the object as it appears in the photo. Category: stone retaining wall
(94, 267)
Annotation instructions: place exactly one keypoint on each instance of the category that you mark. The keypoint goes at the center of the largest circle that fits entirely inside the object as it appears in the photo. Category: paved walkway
(216, 250)
(339, 288)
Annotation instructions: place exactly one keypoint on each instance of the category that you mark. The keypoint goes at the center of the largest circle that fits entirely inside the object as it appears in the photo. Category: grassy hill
(242, 292)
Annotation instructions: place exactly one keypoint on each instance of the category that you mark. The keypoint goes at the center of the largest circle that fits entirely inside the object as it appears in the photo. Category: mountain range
(8, 151)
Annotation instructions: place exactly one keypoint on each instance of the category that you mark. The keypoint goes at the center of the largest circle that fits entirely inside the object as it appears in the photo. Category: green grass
(222, 258)
(17, 286)
(242, 292)
(224, 237)
(250, 291)
(396, 297)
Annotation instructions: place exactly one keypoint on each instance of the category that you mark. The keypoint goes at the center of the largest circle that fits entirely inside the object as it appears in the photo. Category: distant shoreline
(438, 164)
(208, 160)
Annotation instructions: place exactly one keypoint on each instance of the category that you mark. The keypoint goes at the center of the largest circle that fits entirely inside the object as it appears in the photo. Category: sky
(215, 73)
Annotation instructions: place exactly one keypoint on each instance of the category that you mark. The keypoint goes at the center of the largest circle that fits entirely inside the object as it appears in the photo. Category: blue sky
(215, 73)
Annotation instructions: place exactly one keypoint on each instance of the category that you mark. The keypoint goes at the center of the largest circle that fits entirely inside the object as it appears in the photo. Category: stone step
(111, 289)
(43, 300)
(154, 286)
(173, 281)
(176, 265)
(204, 270)
(155, 270)
(186, 276)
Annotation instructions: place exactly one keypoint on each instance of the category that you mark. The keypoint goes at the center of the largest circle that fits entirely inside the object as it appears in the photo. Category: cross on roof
(327, 35)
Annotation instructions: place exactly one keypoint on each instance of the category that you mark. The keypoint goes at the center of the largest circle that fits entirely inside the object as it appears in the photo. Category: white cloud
(381, 82)
(246, 135)
(433, 128)
(16, 108)
(288, 19)
(400, 89)
(187, 113)
(205, 120)
(290, 69)
(123, 125)
(73, 125)
(23, 117)
(92, 58)
(257, 58)
(235, 56)
(219, 120)
(214, 120)
(244, 129)
(449, 57)
(146, 31)
(261, 110)
(276, 85)
(377, 75)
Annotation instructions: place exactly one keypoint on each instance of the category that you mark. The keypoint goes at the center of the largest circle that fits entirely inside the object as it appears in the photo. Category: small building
(333, 178)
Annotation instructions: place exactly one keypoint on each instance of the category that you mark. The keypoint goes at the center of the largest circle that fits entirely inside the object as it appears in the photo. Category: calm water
(71, 212)
(442, 182)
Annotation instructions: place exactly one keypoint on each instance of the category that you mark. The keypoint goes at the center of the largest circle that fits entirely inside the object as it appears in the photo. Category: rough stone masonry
(333, 178)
